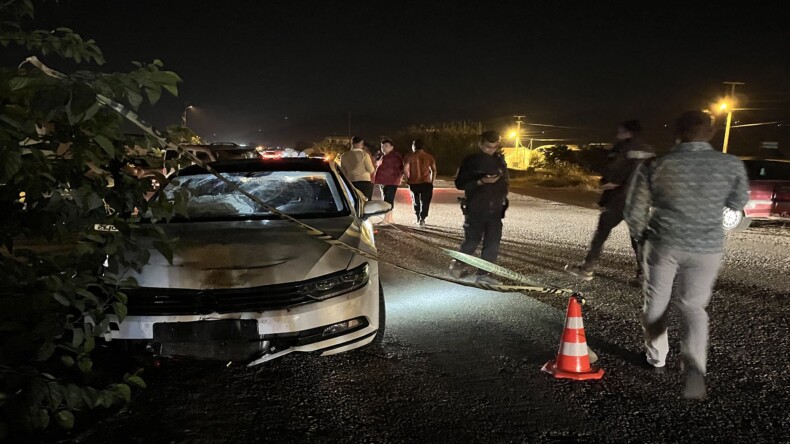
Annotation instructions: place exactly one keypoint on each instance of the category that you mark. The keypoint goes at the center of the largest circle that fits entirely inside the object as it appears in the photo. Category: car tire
(382, 318)
(735, 221)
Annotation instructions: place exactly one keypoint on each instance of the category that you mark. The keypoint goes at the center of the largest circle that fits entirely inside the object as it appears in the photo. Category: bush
(65, 167)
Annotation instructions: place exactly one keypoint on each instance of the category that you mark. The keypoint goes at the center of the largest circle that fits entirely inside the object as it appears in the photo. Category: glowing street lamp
(184, 116)
(728, 105)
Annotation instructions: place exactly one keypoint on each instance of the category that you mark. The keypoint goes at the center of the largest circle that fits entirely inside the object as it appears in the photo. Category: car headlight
(338, 284)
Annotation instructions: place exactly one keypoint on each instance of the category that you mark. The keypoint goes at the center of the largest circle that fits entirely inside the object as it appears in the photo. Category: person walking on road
(676, 204)
(626, 156)
(484, 179)
(389, 173)
(357, 166)
(420, 171)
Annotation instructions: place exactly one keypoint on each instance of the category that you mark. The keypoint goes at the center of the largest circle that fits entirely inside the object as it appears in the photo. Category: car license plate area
(222, 340)
(200, 331)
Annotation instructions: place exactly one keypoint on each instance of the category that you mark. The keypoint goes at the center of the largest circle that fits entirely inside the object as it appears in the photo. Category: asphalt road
(461, 364)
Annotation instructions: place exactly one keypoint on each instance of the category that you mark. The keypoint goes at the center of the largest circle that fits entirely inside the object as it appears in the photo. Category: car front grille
(173, 301)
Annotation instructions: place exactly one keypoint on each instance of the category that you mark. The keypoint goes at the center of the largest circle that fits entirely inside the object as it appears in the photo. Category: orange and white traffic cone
(573, 360)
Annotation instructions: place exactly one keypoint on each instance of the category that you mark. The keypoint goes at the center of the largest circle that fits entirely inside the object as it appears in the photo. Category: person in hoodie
(484, 179)
(626, 156)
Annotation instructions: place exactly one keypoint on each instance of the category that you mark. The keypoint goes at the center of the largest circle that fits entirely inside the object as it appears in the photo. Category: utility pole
(518, 138)
(730, 109)
(349, 127)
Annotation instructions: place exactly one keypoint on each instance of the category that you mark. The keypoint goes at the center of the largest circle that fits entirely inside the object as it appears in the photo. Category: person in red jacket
(389, 171)
(420, 171)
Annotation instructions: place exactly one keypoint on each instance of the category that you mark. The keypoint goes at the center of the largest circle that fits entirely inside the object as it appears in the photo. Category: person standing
(676, 204)
(389, 172)
(484, 179)
(357, 166)
(420, 171)
(627, 154)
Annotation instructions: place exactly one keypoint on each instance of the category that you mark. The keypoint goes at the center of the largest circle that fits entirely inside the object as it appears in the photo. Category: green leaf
(17, 83)
(120, 310)
(91, 111)
(65, 419)
(105, 143)
(124, 391)
(68, 361)
(40, 419)
(62, 299)
(172, 89)
(135, 99)
(45, 351)
(78, 335)
(153, 94)
(87, 295)
(11, 161)
(122, 297)
(136, 380)
(85, 364)
(89, 345)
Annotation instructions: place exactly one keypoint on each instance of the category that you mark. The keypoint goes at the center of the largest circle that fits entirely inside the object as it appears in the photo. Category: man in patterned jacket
(676, 203)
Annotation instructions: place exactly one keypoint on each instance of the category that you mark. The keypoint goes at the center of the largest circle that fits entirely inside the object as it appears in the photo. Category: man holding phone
(484, 180)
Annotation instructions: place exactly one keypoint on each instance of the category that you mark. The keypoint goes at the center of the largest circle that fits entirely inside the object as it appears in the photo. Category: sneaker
(695, 386)
(422, 222)
(650, 367)
(579, 272)
(458, 269)
(488, 280)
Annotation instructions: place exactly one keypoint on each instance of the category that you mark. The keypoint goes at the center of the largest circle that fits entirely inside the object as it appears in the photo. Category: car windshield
(767, 170)
(296, 193)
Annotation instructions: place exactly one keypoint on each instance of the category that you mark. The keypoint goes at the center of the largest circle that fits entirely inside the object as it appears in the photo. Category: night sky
(279, 72)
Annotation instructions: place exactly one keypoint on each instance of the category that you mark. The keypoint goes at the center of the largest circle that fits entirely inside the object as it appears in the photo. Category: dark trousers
(365, 187)
(489, 229)
(421, 194)
(388, 193)
(610, 217)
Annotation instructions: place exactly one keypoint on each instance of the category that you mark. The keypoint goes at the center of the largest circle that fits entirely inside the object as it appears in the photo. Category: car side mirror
(374, 208)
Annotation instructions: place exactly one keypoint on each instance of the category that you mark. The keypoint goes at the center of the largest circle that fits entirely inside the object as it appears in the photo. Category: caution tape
(498, 270)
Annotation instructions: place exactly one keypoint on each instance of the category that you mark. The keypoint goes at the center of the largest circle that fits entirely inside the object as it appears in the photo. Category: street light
(184, 116)
(728, 105)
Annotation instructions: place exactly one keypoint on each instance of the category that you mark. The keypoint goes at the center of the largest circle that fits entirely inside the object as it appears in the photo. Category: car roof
(250, 165)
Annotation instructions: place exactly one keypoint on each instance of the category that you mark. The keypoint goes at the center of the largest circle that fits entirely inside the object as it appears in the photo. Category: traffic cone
(573, 360)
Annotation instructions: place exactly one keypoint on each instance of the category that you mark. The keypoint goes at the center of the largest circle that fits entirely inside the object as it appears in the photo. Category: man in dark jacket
(483, 178)
(626, 156)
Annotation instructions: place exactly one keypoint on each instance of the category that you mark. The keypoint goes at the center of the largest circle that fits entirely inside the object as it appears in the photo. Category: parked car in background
(271, 153)
(769, 193)
(244, 284)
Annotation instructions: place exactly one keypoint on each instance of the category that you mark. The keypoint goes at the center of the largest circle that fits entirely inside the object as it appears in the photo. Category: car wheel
(735, 221)
(382, 318)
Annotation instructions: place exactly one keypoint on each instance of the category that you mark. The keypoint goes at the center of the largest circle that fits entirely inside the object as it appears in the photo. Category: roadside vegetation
(66, 169)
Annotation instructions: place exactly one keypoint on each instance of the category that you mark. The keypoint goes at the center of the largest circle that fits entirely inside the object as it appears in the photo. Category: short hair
(418, 144)
(490, 136)
(355, 140)
(383, 141)
(632, 126)
(691, 122)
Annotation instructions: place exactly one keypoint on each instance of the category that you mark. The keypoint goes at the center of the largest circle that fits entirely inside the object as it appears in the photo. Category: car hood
(250, 253)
